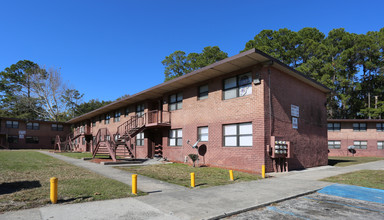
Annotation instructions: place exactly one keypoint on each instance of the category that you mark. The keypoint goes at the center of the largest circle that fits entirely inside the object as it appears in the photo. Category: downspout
(270, 102)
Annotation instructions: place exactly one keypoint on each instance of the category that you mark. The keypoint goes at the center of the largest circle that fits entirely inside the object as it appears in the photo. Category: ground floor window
(238, 135)
(334, 144)
(83, 141)
(32, 140)
(140, 139)
(13, 139)
(380, 145)
(176, 137)
(202, 133)
(360, 144)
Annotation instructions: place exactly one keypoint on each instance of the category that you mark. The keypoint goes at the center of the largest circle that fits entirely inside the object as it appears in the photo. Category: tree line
(30, 91)
(351, 65)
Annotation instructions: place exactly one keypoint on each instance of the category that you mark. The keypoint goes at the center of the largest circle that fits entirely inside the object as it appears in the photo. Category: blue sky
(106, 49)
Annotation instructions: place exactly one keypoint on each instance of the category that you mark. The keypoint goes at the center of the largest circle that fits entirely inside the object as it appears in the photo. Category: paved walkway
(207, 203)
(146, 184)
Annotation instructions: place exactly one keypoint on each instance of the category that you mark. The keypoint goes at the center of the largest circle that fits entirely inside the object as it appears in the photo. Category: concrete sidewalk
(146, 184)
(213, 202)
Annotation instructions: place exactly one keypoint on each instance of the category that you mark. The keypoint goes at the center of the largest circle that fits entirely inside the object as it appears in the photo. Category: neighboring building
(235, 107)
(30, 134)
(364, 137)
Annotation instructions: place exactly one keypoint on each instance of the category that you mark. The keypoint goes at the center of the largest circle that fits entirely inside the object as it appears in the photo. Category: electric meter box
(280, 148)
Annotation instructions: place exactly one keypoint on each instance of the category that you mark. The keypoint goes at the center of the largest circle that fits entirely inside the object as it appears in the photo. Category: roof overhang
(357, 120)
(240, 61)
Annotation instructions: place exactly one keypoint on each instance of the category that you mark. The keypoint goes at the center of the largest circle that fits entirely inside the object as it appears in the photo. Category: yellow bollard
(263, 171)
(231, 175)
(134, 184)
(54, 182)
(192, 179)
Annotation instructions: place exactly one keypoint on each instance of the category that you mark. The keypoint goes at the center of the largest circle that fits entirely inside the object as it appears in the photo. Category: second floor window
(57, 127)
(203, 92)
(12, 124)
(175, 101)
(334, 126)
(93, 122)
(117, 116)
(380, 127)
(107, 118)
(238, 86)
(359, 126)
(33, 126)
(140, 110)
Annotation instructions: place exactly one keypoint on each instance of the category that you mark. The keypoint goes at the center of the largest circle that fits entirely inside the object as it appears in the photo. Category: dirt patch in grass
(179, 174)
(25, 175)
(348, 161)
(365, 178)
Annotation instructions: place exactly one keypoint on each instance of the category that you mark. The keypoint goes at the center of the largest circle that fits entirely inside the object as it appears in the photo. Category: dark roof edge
(33, 120)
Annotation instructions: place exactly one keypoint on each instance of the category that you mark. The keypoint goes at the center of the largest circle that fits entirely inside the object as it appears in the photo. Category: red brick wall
(309, 141)
(45, 134)
(346, 135)
(214, 112)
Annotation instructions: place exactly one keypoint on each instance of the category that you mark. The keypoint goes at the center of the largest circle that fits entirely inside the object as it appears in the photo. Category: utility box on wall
(280, 148)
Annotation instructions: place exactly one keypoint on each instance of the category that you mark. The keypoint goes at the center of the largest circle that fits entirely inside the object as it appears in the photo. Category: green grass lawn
(25, 175)
(347, 161)
(179, 174)
(366, 178)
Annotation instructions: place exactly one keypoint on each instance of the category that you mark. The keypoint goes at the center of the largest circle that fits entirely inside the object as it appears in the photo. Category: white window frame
(203, 92)
(332, 126)
(140, 139)
(380, 145)
(175, 101)
(334, 144)
(237, 86)
(203, 133)
(175, 138)
(360, 145)
(236, 133)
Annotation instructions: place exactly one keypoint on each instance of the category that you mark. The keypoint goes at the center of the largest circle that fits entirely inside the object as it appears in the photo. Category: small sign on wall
(295, 123)
(295, 111)
(22, 134)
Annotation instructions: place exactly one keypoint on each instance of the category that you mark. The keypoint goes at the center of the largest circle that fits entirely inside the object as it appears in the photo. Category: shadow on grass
(332, 162)
(7, 188)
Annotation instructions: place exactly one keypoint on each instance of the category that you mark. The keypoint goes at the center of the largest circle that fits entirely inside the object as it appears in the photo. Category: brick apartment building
(30, 134)
(356, 137)
(238, 108)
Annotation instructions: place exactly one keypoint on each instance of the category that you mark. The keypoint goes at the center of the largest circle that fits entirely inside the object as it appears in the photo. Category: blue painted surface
(354, 192)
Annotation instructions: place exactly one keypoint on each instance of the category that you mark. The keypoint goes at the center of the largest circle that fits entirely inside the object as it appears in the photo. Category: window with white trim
(140, 139)
(107, 118)
(33, 126)
(140, 110)
(334, 144)
(238, 86)
(175, 101)
(202, 133)
(379, 126)
(57, 127)
(12, 124)
(360, 144)
(359, 126)
(203, 92)
(334, 126)
(238, 135)
(117, 116)
(380, 145)
(176, 137)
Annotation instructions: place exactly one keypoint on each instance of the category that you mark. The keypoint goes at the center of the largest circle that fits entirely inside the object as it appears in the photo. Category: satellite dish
(202, 150)
(351, 149)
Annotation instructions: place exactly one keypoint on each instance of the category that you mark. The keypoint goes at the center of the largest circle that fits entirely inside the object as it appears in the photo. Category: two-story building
(356, 137)
(240, 109)
(30, 134)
